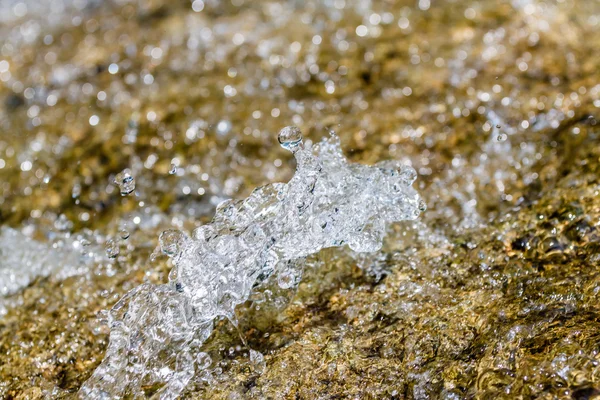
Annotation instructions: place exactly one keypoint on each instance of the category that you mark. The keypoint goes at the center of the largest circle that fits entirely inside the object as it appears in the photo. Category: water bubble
(422, 205)
(257, 360)
(112, 248)
(203, 360)
(550, 245)
(170, 241)
(124, 233)
(290, 138)
(501, 137)
(286, 279)
(173, 169)
(125, 181)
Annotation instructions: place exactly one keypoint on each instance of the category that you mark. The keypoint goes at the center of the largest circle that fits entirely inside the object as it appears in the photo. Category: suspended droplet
(124, 233)
(290, 138)
(112, 248)
(125, 181)
(170, 241)
(173, 169)
(501, 137)
(422, 205)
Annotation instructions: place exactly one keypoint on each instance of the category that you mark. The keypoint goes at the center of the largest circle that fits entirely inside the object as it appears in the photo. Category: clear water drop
(112, 248)
(257, 360)
(286, 279)
(290, 138)
(124, 234)
(173, 169)
(203, 361)
(125, 181)
(170, 241)
(501, 137)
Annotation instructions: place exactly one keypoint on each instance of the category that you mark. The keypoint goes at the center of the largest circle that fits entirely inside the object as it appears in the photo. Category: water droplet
(422, 205)
(223, 127)
(286, 279)
(203, 361)
(501, 137)
(173, 169)
(62, 223)
(124, 234)
(498, 126)
(170, 241)
(257, 360)
(112, 248)
(550, 245)
(290, 138)
(125, 181)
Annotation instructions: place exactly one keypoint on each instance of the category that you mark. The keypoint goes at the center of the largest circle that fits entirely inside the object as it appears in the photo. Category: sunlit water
(121, 120)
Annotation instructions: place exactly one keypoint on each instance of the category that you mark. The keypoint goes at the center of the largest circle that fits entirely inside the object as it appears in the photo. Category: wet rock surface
(492, 293)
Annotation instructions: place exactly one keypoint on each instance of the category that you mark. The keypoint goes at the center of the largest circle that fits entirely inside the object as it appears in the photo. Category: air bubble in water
(290, 138)
(112, 248)
(173, 169)
(501, 137)
(124, 234)
(125, 181)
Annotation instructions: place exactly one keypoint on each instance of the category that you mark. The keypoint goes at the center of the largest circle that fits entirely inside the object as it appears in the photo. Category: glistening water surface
(122, 120)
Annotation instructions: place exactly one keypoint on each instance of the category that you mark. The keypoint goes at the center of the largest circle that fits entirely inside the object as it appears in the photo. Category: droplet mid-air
(125, 181)
(112, 248)
(290, 138)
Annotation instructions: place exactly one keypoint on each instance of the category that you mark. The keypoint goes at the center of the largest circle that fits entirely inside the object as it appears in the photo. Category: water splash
(23, 259)
(157, 330)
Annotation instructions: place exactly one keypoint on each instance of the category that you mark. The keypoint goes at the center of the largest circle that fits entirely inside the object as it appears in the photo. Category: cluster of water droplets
(157, 330)
(23, 259)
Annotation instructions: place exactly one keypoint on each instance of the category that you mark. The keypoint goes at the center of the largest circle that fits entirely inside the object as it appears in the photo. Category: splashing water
(23, 259)
(157, 330)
